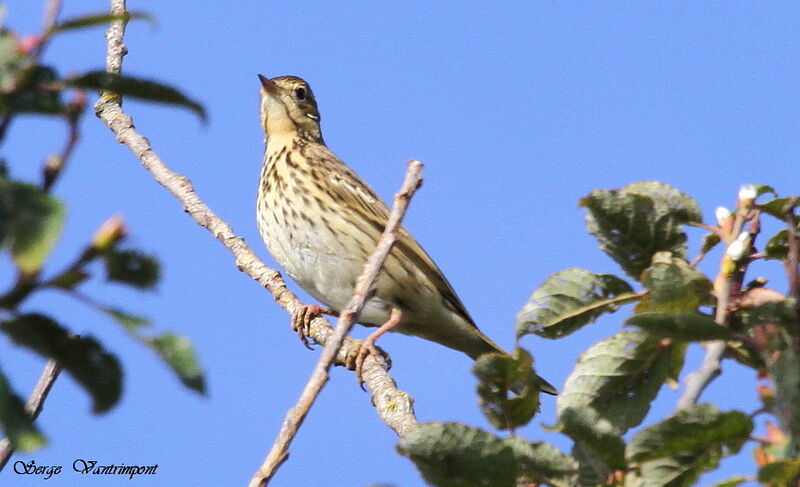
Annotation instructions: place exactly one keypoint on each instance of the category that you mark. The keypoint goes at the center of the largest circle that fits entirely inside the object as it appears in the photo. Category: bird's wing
(354, 191)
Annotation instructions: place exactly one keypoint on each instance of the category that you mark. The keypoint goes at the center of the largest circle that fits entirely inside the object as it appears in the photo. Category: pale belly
(325, 265)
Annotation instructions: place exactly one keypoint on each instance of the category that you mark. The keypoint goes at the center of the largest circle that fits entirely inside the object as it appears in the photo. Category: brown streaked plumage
(320, 222)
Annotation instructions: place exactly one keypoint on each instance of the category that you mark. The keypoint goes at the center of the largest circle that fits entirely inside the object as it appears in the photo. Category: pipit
(320, 222)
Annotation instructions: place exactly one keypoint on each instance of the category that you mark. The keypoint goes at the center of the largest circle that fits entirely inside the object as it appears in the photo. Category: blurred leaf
(69, 279)
(778, 313)
(777, 246)
(731, 481)
(698, 427)
(673, 286)
(98, 19)
(588, 429)
(688, 327)
(30, 223)
(136, 88)
(179, 354)
(784, 370)
(710, 240)
(618, 377)
(570, 299)
(132, 267)
(679, 470)
(592, 471)
(498, 374)
(783, 473)
(633, 223)
(775, 206)
(457, 455)
(130, 321)
(84, 358)
(15, 421)
(763, 189)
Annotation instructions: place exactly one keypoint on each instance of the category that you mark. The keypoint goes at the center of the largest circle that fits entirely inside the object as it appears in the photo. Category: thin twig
(34, 404)
(393, 406)
(365, 286)
(726, 282)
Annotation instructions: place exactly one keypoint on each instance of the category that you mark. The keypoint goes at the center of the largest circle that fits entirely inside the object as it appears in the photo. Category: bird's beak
(268, 84)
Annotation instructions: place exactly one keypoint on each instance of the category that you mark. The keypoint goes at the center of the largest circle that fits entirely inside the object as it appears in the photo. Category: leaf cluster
(614, 382)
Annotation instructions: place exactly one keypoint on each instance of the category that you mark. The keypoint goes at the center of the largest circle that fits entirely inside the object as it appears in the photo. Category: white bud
(739, 247)
(722, 214)
(747, 192)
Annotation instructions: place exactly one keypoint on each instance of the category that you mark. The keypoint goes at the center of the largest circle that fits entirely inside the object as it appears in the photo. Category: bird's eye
(300, 94)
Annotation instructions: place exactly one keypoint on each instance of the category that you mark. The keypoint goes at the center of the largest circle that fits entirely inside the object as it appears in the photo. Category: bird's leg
(302, 317)
(368, 345)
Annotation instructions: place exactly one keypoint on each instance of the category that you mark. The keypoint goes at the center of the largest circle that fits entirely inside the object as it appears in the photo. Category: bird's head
(288, 108)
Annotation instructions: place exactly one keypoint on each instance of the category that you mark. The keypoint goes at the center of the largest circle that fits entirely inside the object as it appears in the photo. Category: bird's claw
(302, 316)
(366, 349)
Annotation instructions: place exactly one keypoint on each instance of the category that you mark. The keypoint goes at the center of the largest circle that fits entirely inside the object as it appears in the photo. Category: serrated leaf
(673, 286)
(136, 88)
(687, 327)
(98, 371)
(15, 422)
(132, 267)
(570, 299)
(775, 207)
(30, 223)
(179, 354)
(782, 473)
(498, 374)
(457, 455)
(98, 19)
(633, 223)
(680, 470)
(588, 429)
(618, 377)
(698, 427)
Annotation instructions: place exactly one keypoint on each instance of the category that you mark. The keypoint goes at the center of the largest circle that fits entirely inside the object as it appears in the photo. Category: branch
(34, 404)
(393, 406)
(728, 281)
(365, 286)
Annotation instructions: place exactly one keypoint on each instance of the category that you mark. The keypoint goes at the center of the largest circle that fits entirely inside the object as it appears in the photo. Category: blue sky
(517, 110)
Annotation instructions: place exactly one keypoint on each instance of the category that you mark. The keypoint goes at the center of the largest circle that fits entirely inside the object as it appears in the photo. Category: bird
(321, 221)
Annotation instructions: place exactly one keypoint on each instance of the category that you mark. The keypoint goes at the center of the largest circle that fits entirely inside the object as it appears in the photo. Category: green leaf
(84, 358)
(763, 189)
(731, 481)
(498, 374)
(776, 206)
(783, 367)
(777, 246)
(687, 327)
(179, 354)
(136, 88)
(132, 267)
(592, 432)
(30, 223)
(680, 470)
(130, 321)
(710, 240)
(98, 19)
(17, 425)
(570, 299)
(457, 455)
(619, 376)
(673, 286)
(698, 427)
(782, 473)
(633, 223)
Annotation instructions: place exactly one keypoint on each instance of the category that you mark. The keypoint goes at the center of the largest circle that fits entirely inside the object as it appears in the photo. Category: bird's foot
(368, 346)
(303, 315)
